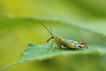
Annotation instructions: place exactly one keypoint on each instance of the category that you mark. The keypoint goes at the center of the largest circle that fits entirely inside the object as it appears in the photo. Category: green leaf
(39, 52)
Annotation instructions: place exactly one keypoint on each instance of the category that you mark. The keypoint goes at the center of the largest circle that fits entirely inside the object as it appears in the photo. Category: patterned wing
(70, 43)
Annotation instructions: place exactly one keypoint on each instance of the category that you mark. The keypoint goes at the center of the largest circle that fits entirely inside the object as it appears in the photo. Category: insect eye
(52, 36)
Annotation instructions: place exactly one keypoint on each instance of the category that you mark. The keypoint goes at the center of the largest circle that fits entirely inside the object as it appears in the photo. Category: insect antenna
(50, 28)
(46, 28)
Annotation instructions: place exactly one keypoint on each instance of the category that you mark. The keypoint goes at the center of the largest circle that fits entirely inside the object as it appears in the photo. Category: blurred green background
(80, 20)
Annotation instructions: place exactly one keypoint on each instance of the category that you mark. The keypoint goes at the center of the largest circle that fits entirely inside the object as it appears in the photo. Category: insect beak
(50, 39)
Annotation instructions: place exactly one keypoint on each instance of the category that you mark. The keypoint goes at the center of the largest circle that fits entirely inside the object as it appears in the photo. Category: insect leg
(51, 45)
(56, 46)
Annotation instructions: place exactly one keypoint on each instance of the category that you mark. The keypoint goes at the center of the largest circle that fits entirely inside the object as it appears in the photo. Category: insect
(70, 44)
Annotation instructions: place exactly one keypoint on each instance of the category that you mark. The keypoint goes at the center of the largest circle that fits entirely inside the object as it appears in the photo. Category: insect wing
(70, 43)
